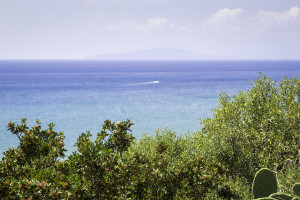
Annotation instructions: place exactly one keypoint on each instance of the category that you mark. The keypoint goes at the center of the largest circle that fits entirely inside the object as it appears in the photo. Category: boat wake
(144, 83)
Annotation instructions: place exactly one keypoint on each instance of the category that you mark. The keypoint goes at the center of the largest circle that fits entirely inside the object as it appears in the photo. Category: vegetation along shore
(254, 129)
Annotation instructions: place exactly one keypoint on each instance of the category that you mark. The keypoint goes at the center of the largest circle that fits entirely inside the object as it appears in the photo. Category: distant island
(154, 54)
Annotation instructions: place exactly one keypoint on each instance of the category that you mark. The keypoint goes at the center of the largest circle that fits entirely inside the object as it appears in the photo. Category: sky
(76, 29)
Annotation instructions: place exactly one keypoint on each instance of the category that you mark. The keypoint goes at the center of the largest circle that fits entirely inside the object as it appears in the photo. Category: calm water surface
(79, 95)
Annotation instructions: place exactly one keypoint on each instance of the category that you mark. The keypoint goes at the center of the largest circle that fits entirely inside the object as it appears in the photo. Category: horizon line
(146, 60)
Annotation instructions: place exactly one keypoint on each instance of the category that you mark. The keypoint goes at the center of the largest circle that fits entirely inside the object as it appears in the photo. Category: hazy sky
(75, 29)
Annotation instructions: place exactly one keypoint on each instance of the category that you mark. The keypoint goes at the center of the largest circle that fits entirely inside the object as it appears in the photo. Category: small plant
(264, 184)
(265, 187)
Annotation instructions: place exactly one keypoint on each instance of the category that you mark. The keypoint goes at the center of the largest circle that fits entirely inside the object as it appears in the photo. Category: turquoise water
(79, 95)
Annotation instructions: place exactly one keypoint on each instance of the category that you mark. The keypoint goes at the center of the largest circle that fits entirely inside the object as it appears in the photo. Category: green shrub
(98, 169)
(255, 129)
(177, 171)
(32, 170)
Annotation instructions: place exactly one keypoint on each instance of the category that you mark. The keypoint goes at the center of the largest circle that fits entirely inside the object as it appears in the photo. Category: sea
(79, 95)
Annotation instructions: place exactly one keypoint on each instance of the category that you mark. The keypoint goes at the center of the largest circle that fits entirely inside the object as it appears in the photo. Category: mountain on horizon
(154, 54)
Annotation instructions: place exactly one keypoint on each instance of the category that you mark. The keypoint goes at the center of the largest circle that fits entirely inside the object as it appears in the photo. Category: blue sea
(79, 95)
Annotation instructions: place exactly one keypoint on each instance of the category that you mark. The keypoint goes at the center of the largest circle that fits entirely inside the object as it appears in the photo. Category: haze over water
(79, 95)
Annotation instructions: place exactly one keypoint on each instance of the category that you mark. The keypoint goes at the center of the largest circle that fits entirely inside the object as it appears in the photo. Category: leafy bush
(255, 129)
(107, 168)
(33, 168)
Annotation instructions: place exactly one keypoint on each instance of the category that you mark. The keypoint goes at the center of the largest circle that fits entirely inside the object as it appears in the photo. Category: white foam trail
(145, 83)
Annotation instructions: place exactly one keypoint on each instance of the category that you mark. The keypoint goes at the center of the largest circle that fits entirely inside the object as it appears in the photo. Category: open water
(79, 95)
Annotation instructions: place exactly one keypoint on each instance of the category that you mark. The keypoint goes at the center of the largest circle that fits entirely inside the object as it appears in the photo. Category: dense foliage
(254, 129)
(257, 128)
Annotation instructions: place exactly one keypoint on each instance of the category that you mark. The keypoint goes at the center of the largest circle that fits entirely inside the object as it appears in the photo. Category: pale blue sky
(75, 29)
